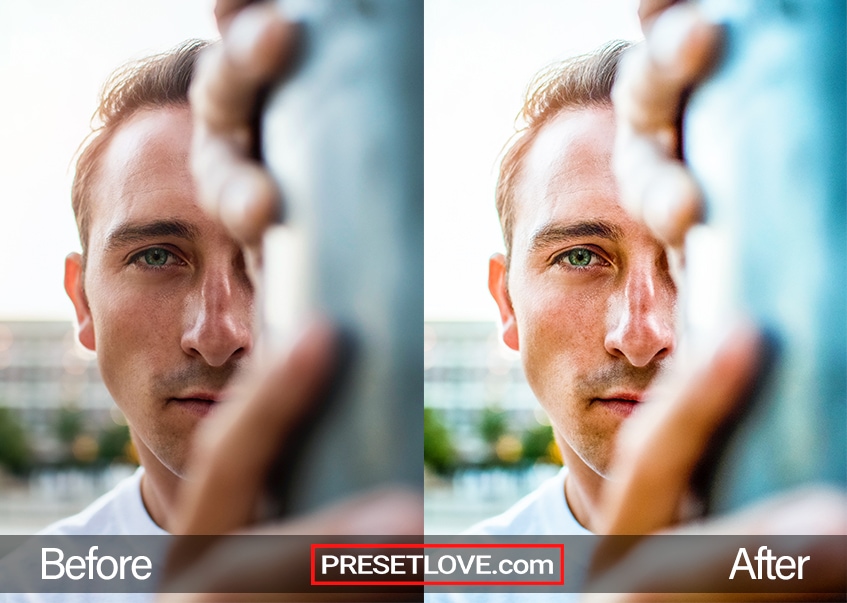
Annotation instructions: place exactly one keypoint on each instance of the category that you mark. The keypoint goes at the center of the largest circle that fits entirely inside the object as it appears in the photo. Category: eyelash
(596, 259)
(137, 259)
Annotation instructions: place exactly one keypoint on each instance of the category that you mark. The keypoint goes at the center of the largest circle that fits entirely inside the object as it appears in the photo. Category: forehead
(566, 175)
(144, 174)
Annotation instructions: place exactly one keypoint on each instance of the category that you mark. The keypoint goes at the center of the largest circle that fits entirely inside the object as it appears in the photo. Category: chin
(166, 450)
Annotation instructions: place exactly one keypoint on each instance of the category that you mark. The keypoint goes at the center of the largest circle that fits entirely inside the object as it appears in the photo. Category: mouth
(620, 403)
(198, 403)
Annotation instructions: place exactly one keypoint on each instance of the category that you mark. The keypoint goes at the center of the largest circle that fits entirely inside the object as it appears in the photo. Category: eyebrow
(128, 233)
(558, 233)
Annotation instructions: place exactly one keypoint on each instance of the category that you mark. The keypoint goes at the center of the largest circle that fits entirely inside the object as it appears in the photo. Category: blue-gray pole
(765, 137)
(343, 136)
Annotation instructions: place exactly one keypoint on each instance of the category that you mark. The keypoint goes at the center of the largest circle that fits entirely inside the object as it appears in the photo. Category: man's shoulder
(544, 511)
(119, 511)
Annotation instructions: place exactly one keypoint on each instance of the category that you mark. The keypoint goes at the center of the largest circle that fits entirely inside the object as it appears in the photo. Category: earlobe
(74, 287)
(499, 287)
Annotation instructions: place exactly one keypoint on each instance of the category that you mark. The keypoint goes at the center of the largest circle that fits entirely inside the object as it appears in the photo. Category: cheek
(133, 334)
(562, 333)
(118, 341)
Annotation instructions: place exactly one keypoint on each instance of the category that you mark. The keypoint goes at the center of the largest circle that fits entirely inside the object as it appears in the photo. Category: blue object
(765, 137)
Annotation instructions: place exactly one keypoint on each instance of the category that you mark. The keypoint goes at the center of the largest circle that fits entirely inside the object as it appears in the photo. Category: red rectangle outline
(559, 546)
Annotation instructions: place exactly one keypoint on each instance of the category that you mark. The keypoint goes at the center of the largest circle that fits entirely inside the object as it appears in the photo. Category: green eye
(156, 256)
(155, 259)
(579, 257)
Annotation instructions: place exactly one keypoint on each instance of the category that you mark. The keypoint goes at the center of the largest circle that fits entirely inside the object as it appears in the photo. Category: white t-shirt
(119, 512)
(542, 512)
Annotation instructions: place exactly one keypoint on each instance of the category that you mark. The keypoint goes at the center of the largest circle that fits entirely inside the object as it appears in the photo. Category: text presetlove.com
(438, 564)
(411, 566)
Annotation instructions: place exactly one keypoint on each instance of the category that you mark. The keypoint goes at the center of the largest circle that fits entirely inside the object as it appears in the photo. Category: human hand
(231, 456)
(649, 94)
(660, 447)
(235, 449)
(257, 43)
(657, 570)
(649, 492)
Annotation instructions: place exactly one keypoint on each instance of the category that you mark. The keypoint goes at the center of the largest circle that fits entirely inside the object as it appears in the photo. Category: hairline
(528, 142)
(581, 82)
(159, 81)
(103, 138)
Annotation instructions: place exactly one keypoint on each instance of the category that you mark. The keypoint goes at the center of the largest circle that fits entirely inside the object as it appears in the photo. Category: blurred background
(487, 441)
(62, 440)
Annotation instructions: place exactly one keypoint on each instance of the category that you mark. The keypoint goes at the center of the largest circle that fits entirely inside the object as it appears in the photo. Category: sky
(480, 55)
(54, 57)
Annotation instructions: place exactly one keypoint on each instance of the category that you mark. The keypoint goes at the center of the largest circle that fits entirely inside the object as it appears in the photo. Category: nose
(219, 318)
(641, 319)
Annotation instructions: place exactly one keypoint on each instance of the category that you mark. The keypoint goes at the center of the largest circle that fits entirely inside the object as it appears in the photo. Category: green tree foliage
(112, 443)
(536, 443)
(15, 454)
(439, 453)
(69, 425)
(492, 425)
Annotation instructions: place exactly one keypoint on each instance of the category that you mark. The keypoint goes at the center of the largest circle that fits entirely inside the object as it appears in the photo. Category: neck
(159, 486)
(583, 488)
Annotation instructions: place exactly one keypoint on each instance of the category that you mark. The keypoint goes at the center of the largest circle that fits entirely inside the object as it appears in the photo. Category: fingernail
(316, 338)
(809, 516)
(660, 200)
(235, 201)
(243, 35)
(400, 513)
(672, 203)
(670, 34)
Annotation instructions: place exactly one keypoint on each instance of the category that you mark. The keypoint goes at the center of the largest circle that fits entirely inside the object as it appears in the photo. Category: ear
(75, 289)
(498, 286)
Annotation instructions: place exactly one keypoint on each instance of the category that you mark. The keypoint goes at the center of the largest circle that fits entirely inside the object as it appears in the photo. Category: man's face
(588, 299)
(164, 297)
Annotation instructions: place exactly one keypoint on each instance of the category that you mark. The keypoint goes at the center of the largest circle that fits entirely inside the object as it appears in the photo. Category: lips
(622, 397)
(620, 403)
(209, 396)
(199, 402)
(197, 398)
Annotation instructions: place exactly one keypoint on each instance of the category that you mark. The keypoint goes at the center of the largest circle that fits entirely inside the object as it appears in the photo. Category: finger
(233, 185)
(810, 510)
(257, 46)
(813, 514)
(659, 449)
(656, 188)
(234, 450)
(272, 597)
(672, 203)
(277, 564)
(684, 597)
(382, 512)
(234, 188)
(648, 96)
(649, 10)
(225, 11)
(654, 75)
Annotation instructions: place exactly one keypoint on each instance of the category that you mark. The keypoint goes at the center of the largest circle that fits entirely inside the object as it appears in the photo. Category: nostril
(662, 354)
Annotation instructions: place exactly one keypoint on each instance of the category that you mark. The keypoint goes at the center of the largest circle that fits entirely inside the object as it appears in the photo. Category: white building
(42, 369)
